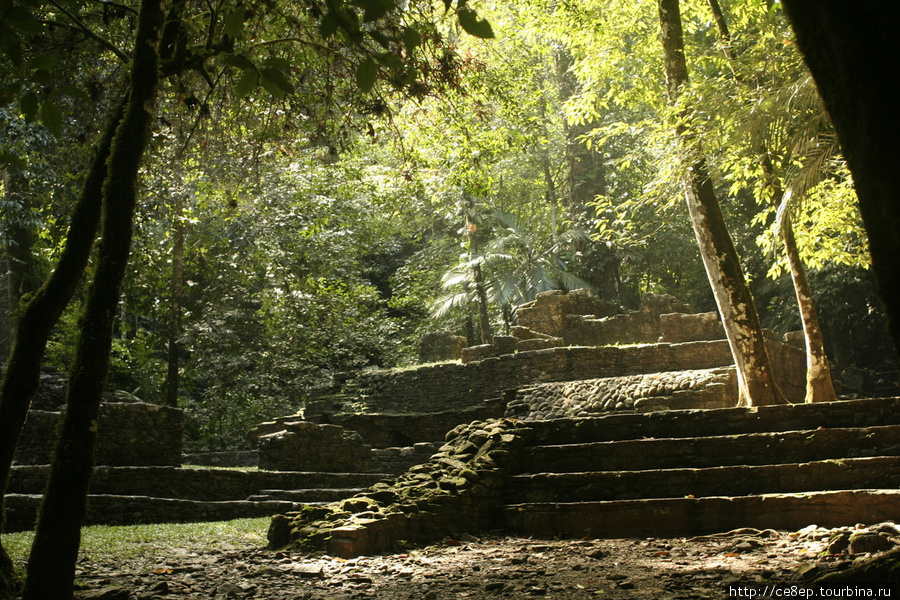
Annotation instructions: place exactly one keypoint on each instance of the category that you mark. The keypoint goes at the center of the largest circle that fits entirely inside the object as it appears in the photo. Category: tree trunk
(172, 376)
(19, 241)
(852, 50)
(51, 566)
(40, 314)
(484, 320)
(819, 386)
(723, 268)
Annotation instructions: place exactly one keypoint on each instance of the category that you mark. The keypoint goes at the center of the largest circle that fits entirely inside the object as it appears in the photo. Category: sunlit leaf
(411, 39)
(471, 24)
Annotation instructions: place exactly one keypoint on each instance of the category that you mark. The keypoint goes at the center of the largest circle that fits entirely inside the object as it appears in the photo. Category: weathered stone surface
(460, 487)
(471, 482)
(706, 388)
(439, 346)
(305, 446)
(129, 433)
(680, 327)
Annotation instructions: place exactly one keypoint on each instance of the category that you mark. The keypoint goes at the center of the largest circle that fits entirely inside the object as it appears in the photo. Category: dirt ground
(740, 563)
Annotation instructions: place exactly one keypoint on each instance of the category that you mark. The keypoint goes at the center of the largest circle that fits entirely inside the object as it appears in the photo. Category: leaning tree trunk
(819, 386)
(51, 566)
(851, 49)
(756, 385)
(39, 316)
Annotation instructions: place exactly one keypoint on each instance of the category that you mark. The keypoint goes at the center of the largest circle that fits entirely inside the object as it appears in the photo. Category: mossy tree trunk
(38, 317)
(852, 50)
(723, 268)
(51, 566)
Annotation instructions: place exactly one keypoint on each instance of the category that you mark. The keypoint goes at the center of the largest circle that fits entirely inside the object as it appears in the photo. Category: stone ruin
(570, 355)
(130, 432)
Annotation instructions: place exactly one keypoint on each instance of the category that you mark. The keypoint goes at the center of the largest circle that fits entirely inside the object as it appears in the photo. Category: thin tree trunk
(819, 386)
(51, 566)
(723, 268)
(172, 376)
(484, 320)
(852, 51)
(19, 241)
(39, 316)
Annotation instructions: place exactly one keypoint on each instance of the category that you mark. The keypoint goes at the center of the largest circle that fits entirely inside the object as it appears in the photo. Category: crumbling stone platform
(679, 472)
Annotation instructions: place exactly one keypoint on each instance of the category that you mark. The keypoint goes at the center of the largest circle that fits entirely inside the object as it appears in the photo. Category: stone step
(202, 484)
(104, 509)
(737, 480)
(670, 517)
(711, 451)
(721, 421)
(307, 496)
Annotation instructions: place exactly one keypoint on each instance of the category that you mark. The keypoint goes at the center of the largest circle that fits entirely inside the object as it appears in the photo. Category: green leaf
(247, 83)
(28, 104)
(74, 91)
(278, 62)
(271, 85)
(13, 50)
(328, 25)
(237, 60)
(234, 22)
(11, 159)
(379, 37)
(42, 62)
(19, 17)
(278, 77)
(375, 9)
(471, 24)
(51, 117)
(366, 73)
(390, 60)
(411, 39)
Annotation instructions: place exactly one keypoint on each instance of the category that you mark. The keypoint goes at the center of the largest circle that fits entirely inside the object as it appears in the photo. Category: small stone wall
(440, 345)
(637, 327)
(305, 446)
(235, 458)
(129, 433)
(547, 312)
(399, 459)
(679, 327)
(709, 388)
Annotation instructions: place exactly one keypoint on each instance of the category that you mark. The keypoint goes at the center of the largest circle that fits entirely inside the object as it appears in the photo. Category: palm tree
(516, 265)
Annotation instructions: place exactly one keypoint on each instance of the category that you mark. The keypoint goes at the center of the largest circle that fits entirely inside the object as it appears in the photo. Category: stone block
(306, 446)
(439, 346)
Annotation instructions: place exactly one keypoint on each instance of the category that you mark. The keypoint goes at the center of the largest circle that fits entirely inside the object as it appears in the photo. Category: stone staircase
(691, 472)
(131, 495)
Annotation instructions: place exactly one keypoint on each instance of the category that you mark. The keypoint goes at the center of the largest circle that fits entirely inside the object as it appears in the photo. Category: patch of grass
(102, 542)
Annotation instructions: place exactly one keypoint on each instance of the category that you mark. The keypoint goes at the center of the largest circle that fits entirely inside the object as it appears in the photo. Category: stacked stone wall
(305, 446)
(129, 433)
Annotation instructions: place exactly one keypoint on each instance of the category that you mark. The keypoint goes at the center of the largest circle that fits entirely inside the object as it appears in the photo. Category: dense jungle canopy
(325, 182)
